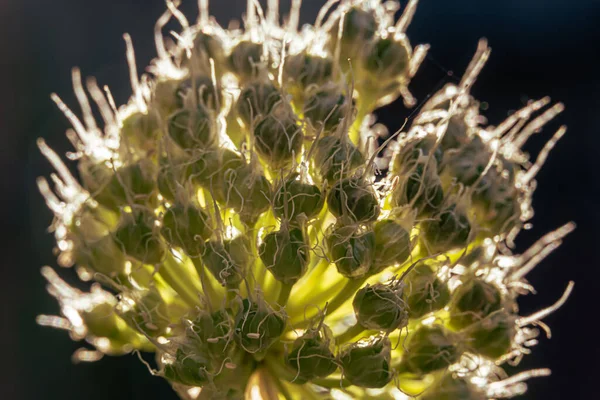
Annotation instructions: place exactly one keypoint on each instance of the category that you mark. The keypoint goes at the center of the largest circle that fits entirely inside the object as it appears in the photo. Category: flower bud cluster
(235, 207)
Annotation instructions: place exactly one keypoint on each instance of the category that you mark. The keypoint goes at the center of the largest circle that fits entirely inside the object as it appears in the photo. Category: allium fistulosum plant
(244, 217)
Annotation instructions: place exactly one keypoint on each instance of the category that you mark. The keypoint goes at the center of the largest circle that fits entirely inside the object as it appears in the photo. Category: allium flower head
(244, 217)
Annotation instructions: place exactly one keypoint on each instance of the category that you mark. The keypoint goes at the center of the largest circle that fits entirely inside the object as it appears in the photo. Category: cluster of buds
(245, 219)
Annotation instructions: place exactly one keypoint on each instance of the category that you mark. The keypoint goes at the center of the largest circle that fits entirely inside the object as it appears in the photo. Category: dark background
(540, 47)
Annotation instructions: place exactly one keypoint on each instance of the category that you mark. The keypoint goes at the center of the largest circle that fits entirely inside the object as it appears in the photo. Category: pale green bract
(236, 221)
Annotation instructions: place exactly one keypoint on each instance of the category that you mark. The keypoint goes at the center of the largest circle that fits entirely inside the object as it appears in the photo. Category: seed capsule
(137, 238)
(295, 198)
(421, 151)
(336, 159)
(189, 369)
(257, 99)
(135, 183)
(145, 311)
(246, 190)
(452, 388)
(245, 59)
(227, 260)
(381, 307)
(492, 337)
(420, 188)
(359, 28)
(212, 332)
(429, 349)
(311, 357)
(474, 301)
(325, 109)
(353, 199)
(352, 249)
(278, 139)
(285, 254)
(141, 131)
(208, 169)
(170, 178)
(205, 93)
(258, 326)
(192, 130)
(302, 70)
(392, 244)
(367, 364)
(387, 60)
(425, 292)
(186, 227)
(449, 230)
(102, 256)
(206, 47)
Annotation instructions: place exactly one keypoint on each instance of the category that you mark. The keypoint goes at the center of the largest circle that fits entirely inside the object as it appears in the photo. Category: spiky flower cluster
(237, 222)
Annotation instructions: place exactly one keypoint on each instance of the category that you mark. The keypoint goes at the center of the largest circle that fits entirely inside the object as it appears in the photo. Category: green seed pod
(102, 321)
(170, 178)
(457, 134)
(257, 99)
(452, 388)
(304, 69)
(352, 249)
(387, 59)
(137, 237)
(141, 131)
(469, 161)
(336, 159)
(246, 190)
(245, 59)
(424, 291)
(285, 254)
(429, 349)
(295, 197)
(496, 202)
(208, 169)
(492, 337)
(325, 109)
(417, 152)
(367, 363)
(257, 326)
(186, 227)
(189, 369)
(131, 184)
(278, 139)
(145, 311)
(192, 130)
(392, 244)
(423, 192)
(312, 356)
(227, 260)
(206, 47)
(381, 307)
(205, 93)
(102, 256)
(448, 230)
(359, 28)
(474, 301)
(354, 199)
(213, 333)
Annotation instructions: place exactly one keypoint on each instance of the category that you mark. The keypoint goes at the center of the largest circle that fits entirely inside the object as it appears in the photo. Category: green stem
(207, 287)
(275, 373)
(284, 294)
(331, 383)
(350, 333)
(172, 272)
(347, 292)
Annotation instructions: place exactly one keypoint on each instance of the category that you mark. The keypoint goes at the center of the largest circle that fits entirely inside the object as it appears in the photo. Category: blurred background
(540, 47)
